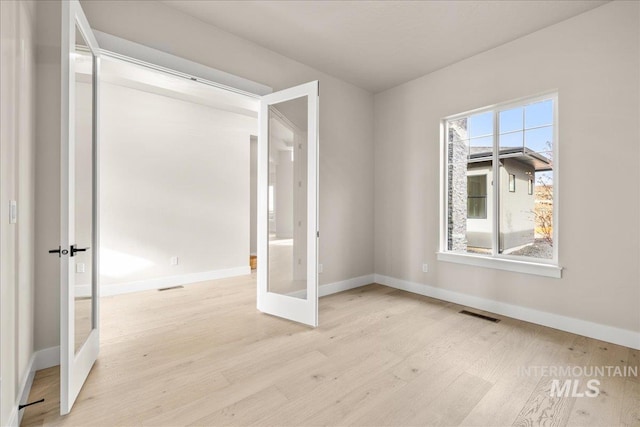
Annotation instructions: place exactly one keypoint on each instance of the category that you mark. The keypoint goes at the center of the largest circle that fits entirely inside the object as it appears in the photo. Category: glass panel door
(287, 281)
(79, 299)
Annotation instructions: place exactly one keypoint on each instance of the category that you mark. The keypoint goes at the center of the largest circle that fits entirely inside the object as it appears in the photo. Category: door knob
(59, 251)
(74, 250)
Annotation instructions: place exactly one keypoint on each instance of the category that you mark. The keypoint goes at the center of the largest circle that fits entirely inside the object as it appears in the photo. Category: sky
(532, 122)
(531, 125)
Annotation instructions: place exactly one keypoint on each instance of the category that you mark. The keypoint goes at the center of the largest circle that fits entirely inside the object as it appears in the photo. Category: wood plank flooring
(203, 355)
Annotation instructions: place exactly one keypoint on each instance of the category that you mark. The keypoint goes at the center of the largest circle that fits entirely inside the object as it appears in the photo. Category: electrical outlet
(174, 260)
(80, 267)
(319, 268)
(425, 268)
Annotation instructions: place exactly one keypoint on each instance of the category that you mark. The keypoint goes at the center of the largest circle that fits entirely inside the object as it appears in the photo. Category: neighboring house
(518, 166)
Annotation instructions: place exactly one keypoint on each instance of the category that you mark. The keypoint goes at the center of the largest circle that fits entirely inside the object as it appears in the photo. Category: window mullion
(496, 185)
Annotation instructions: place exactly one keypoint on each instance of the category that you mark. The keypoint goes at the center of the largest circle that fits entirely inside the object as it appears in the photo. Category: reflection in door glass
(83, 187)
(287, 252)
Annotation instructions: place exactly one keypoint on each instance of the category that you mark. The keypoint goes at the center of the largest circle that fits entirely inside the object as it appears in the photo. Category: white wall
(17, 158)
(593, 61)
(517, 220)
(47, 233)
(175, 182)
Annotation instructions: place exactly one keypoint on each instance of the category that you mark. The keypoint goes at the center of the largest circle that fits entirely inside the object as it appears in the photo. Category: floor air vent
(170, 288)
(480, 316)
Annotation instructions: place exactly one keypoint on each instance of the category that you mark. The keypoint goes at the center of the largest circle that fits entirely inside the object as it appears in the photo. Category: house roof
(538, 161)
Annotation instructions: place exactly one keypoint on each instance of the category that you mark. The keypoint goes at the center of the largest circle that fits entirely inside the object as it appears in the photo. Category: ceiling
(380, 44)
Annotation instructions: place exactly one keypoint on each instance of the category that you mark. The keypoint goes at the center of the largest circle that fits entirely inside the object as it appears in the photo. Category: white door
(288, 204)
(78, 251)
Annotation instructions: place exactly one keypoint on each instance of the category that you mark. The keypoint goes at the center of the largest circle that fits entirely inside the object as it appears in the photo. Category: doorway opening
(175, 180)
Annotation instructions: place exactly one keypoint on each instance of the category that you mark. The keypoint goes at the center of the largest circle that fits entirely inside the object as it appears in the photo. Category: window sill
(539, 269)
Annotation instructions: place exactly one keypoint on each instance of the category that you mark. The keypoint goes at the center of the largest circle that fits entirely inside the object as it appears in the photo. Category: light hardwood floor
(203, 355)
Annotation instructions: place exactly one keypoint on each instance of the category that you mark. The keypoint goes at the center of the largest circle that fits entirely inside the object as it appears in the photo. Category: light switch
(13, 211)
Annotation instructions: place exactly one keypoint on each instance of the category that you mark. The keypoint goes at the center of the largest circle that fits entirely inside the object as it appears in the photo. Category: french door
(78, 250)
(288, 204)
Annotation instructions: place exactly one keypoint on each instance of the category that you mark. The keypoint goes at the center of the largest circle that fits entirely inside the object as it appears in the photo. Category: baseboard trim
(25, 387)
(585, 328)
(14, 418)
(335, 287)
(46, 358)
(163, 282)
(23, 394)
(345, 285)
(41, 359)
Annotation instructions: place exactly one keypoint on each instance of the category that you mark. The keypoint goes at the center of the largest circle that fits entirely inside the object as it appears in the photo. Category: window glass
(522, 149)
(538, 114)
(511, 120)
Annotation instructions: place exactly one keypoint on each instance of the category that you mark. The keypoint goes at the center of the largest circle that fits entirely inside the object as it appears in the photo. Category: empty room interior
(305, 213)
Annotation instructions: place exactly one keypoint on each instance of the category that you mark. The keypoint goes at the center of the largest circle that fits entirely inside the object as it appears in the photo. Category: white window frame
(520, 264)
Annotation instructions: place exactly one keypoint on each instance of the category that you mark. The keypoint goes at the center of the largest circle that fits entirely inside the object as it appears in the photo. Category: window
(486, 152)
(477, 196)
